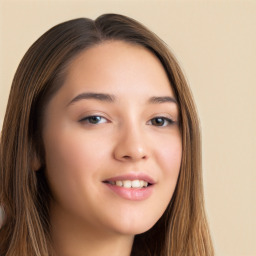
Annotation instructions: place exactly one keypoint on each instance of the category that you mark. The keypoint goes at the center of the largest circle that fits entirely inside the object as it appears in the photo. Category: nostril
(129, 152)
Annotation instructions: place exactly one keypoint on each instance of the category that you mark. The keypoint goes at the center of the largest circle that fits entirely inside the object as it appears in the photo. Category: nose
(131, 146)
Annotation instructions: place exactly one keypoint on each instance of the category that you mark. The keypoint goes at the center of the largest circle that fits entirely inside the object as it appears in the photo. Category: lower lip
(135, 194)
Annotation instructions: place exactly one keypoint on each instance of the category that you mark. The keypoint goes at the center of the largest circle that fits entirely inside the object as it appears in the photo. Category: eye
(161, 121)
(93, 120)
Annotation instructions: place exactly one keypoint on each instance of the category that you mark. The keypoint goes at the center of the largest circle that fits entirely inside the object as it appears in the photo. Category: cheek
(169, 154)
(72, 150)
(72, 161)
(168, 157)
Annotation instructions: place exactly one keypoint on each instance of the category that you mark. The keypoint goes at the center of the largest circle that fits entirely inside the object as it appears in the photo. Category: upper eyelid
(164, 116)
(170, 114)
(86, 117)
(169, 119)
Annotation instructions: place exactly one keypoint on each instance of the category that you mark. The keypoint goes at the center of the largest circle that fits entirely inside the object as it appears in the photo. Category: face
(112, 140)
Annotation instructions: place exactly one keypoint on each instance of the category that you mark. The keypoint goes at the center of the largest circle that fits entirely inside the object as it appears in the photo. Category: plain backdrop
(215, 43)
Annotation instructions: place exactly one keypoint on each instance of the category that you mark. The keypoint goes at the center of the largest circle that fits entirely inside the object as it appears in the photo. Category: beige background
(215, 42)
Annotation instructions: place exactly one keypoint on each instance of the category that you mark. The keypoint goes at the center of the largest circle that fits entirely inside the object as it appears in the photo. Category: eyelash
(87, 119)
(167, 121)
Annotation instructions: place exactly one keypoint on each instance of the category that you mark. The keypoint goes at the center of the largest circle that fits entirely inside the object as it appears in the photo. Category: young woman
(100, 147)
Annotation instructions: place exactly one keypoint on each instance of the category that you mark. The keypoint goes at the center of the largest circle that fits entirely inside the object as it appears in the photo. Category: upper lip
(132, 176)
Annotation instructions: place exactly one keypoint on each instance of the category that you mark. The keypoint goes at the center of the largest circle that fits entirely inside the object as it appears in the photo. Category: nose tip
(131, 147)
(135, 154)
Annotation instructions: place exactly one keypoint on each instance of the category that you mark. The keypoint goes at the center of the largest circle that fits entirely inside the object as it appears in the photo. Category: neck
(72, 237)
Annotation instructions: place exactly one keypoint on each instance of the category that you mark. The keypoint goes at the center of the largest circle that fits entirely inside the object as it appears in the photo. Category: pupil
(159, 121)
(94, 119)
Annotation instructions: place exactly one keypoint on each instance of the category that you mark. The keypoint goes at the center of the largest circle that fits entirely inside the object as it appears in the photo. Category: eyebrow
(111, 98)
(95, 96)
(164, 99)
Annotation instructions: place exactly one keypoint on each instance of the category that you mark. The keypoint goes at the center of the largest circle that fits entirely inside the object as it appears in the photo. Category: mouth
(135, 184)
(132, 187)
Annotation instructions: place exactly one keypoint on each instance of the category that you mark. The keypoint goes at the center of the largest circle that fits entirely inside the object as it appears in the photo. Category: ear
(35, 162)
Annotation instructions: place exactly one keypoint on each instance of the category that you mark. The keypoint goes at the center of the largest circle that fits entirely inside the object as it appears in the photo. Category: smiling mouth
(131, 186)
(137, 184)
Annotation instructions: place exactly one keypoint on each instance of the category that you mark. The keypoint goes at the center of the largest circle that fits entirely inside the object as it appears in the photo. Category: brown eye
(161, 121)
(94, 119)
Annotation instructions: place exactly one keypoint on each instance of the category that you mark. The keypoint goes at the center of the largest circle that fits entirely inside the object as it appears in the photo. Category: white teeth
(130, 183)
(136, 184)
(127, 184)
(119, 183)
(145, 184)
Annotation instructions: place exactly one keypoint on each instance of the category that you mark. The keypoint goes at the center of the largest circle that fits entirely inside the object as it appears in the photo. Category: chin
(134, 227)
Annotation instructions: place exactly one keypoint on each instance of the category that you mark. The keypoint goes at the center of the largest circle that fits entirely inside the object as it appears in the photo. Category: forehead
(117, 67)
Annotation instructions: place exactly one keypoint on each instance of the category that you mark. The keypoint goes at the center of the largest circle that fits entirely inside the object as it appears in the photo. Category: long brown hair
(24, 194)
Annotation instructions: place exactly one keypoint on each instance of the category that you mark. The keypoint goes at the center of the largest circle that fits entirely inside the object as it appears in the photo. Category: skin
(87, 217)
